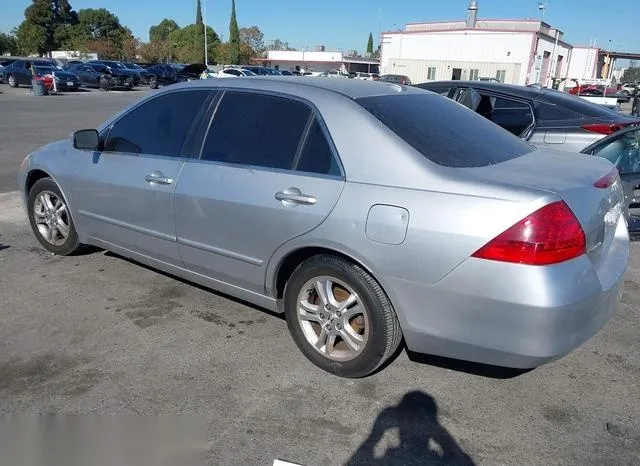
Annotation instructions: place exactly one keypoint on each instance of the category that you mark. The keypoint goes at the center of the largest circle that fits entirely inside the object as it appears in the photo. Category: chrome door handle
(157, 178)
(295, 196)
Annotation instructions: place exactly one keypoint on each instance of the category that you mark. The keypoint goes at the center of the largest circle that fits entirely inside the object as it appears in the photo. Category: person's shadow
(422, 439)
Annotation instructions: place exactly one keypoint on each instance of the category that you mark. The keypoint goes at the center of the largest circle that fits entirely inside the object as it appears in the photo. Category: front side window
(623, 152)
(257, 130)
(159, 126)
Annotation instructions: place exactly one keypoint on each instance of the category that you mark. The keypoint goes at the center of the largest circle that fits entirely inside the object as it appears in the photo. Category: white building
(513, 51)
(317, 61)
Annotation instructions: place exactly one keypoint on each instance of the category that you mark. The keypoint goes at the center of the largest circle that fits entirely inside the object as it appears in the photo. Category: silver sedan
(370, 214)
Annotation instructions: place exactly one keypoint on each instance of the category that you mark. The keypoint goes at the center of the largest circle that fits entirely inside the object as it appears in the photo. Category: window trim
(192, 133)
(315, 114)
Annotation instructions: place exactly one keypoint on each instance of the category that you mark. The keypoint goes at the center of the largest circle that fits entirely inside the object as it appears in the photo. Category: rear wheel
(153, 82)
(11, 79)
(340, 317)
(50, 218)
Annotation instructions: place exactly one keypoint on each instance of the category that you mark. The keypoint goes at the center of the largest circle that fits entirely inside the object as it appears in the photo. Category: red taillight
(604, 128)
(607, 180)
(550, 235)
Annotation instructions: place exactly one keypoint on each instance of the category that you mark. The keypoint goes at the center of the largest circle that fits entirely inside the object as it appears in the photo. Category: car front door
(124, 194)
(623, 150)
(23, 73)
(267, 173)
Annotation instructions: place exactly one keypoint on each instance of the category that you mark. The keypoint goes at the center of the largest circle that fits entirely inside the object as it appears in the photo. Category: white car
(364, 76)
(234, 73)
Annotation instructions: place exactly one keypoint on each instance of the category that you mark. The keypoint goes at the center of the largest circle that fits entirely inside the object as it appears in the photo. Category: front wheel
(153, 82)
(12, 81)
(340, 317)
(50, 218)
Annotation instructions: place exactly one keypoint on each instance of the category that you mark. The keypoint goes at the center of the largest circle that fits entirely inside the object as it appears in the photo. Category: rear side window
(316, 155)
(256, 130)
(445, 132)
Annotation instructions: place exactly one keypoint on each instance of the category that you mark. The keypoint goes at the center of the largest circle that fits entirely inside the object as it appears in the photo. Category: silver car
(370, 214)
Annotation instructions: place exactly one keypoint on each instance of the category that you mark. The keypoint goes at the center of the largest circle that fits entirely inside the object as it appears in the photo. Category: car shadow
(422, 439)
(195, 285)
(467, 367)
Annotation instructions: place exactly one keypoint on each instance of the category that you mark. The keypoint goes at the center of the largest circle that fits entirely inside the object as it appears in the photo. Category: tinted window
(438, 89)
(547, 111)
(579, 105)
(445, 132)
(513, 115)
(256, 129)
(159, 126)
(316, 155)
(623, 152)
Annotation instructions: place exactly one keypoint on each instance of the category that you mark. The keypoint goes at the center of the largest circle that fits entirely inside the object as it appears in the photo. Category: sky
(346, 24)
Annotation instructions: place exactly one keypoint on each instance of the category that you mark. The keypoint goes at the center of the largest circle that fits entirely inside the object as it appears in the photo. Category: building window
(501, 75)
(431, 73)
(474, 74)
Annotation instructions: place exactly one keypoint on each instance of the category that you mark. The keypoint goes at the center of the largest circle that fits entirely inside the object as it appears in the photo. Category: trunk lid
(571, 177)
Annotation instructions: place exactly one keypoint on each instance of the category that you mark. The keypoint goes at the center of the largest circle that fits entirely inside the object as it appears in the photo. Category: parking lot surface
(97, 334)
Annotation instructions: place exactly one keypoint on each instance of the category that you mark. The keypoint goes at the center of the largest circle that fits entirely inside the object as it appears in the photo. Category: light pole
(204, 15)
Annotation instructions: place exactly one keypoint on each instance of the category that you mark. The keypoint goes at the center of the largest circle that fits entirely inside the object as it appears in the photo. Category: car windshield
(444, 131)
(249, 73)
(132, 66)
(178, 67)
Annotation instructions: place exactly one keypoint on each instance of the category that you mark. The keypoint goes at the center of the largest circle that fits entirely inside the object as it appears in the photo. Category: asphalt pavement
(97, 334)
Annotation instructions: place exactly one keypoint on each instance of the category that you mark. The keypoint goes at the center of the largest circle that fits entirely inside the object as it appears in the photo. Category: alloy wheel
(51, 218)
(333, 319)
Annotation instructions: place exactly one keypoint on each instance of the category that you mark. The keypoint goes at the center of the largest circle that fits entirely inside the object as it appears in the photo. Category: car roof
(350, 88)
(512, 89)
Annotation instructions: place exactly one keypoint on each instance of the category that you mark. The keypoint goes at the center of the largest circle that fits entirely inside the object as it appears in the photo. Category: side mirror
(86, 139)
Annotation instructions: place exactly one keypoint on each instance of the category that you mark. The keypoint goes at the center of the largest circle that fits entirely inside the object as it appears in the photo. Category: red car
(591, 89)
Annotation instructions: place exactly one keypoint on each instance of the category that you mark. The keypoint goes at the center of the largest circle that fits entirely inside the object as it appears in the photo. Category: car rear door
(267, 173)
(124, 194)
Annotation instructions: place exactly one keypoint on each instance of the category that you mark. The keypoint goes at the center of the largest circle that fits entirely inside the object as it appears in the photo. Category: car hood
(195, 68)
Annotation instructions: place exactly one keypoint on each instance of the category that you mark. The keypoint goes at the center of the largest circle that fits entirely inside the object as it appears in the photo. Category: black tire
(71, 244)
(11, 79)
(153, 82)
(384, 333)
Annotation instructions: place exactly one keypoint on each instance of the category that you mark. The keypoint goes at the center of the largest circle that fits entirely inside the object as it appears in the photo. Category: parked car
(3, 63)
(544, 117)
(235, 73)
(363, 76)
(395, 79)
(142, 74)
(623, 150)
(263, 71)
(167, 74)
(101, 76)
(600, 91)
(470, 243)
(21, 72)
(120, 69)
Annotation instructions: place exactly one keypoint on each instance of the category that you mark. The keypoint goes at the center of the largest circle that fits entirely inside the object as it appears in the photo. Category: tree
(44, 20)
(160, 32)
(97, 24)
(234, 36)
(253, 38)
(198, 55)
(370, 44)
(278, 44)
(187, 49)
(8, 44)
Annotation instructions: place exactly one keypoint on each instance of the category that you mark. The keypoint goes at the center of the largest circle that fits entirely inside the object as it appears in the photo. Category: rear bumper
(512, 315)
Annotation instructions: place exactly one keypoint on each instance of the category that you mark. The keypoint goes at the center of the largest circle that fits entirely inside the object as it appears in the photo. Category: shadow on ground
(419, 437)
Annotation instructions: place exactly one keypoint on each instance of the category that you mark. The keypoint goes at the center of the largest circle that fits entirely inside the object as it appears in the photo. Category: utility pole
(204, 14)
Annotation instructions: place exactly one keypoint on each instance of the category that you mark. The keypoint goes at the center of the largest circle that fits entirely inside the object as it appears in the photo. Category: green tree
(187, 50)
(44, 23)
(198, 36)
(370, 44)
(253, 38)
(8, 44)
(160, 32)
(234, 36)
(98, 24)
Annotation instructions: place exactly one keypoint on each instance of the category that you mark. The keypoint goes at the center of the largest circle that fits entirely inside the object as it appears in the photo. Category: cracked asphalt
(97, 334)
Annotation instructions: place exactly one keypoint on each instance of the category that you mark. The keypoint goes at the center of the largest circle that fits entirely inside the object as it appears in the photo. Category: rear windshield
(444, 131)
(583, 108)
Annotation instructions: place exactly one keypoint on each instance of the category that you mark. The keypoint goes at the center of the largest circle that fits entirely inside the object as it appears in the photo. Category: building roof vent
(472, 14)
